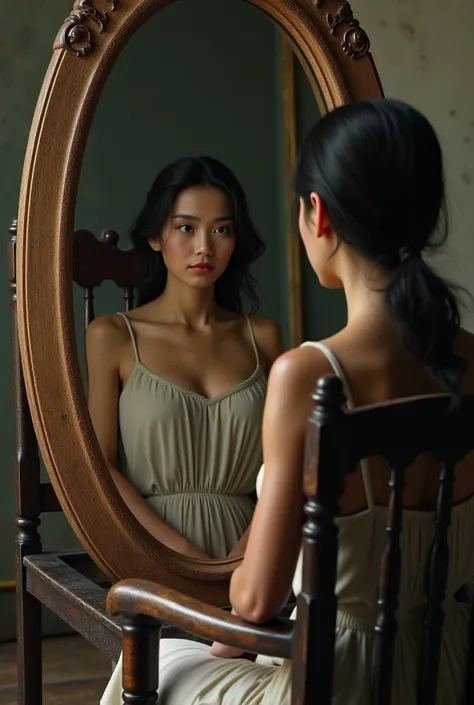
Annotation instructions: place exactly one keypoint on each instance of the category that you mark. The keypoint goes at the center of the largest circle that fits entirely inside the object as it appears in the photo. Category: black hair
(378, 168)
(170, 182)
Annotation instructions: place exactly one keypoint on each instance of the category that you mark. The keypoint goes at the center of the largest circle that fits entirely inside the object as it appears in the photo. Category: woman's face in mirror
(198, 239)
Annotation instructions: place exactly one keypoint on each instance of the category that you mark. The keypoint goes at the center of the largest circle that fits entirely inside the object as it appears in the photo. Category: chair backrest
(336, 442)
(94, 262)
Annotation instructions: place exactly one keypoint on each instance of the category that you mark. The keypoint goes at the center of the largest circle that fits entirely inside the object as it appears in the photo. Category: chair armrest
(143, 597)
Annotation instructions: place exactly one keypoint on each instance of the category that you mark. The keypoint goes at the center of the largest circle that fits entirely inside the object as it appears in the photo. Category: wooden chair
(336, 442)
(68, 583)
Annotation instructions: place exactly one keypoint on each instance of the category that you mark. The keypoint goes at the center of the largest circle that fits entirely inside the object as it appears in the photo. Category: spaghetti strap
(132, 335)
(254, 342)
(337, 367)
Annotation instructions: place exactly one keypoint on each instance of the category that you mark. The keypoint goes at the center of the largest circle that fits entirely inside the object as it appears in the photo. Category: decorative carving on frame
(355, 41)
(75, 34)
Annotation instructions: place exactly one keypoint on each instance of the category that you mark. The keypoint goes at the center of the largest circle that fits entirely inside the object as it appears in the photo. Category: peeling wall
(423, 52)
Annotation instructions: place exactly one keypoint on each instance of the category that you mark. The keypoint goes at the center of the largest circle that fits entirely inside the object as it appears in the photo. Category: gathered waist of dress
(361, 617)
(200, 493)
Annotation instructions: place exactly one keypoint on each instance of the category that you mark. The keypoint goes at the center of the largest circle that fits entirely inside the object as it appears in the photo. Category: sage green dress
(189, 674)
(194, 459)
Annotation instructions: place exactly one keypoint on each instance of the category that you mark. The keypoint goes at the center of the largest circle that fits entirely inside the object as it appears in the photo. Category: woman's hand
(239, 548)
(237, 552)
(191, 550)
(223, 651)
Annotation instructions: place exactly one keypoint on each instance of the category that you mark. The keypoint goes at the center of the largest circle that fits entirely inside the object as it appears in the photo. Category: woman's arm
(270, 344)
(104, 346)
(269, 341)
(241, 545)
(260, 586)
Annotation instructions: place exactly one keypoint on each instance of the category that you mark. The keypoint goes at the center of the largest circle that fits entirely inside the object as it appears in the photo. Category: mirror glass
(179, 419)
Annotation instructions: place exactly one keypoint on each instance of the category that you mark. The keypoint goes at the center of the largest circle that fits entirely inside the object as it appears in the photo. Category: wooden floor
(74, 672)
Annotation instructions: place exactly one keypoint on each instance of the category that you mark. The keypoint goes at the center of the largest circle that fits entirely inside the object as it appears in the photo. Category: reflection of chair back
(336, 442)
(67, 582)
(96, 261)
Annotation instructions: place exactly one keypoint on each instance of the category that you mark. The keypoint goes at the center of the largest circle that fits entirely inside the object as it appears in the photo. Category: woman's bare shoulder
(110, 329)
(268, 336)
(264, 325)
(301, 366)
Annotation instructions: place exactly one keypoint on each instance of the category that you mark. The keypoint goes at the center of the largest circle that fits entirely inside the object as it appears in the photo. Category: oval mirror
(210, 78)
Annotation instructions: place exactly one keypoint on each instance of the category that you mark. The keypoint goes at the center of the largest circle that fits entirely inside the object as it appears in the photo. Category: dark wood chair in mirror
(336, 442)
(68, 582)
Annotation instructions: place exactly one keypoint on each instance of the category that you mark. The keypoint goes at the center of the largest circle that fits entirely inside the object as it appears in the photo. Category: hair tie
(405, 254)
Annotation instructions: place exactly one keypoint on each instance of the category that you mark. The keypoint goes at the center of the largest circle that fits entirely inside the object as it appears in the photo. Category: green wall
(324, 309)
(185, 86)
(200, 77)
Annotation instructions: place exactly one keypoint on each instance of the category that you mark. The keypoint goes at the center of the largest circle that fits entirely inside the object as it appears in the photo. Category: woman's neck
(364, 291)
(190, 306)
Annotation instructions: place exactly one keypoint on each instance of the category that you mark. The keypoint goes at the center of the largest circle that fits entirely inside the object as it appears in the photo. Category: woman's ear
(154, 243)
(320, 218)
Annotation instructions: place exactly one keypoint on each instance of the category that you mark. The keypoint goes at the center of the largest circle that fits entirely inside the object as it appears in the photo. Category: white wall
(424, 52)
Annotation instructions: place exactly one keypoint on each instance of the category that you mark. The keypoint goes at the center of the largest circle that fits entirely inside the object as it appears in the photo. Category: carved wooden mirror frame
(335, 52)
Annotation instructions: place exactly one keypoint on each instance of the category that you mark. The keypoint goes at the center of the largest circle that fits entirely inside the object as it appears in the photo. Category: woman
(370, 183)
(178, 384)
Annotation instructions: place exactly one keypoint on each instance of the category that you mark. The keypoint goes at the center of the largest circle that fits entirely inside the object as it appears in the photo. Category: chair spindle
(128, 297)
(28, 512)
(438, 565)
(89, 305)
(140, 660)
(390, 571)
(317, 603)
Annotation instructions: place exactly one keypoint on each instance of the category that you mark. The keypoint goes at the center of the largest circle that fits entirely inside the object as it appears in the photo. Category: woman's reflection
(177, 386)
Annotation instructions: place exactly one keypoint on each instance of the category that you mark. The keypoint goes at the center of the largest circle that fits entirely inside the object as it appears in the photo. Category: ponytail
(378, 168)
(427, 313)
